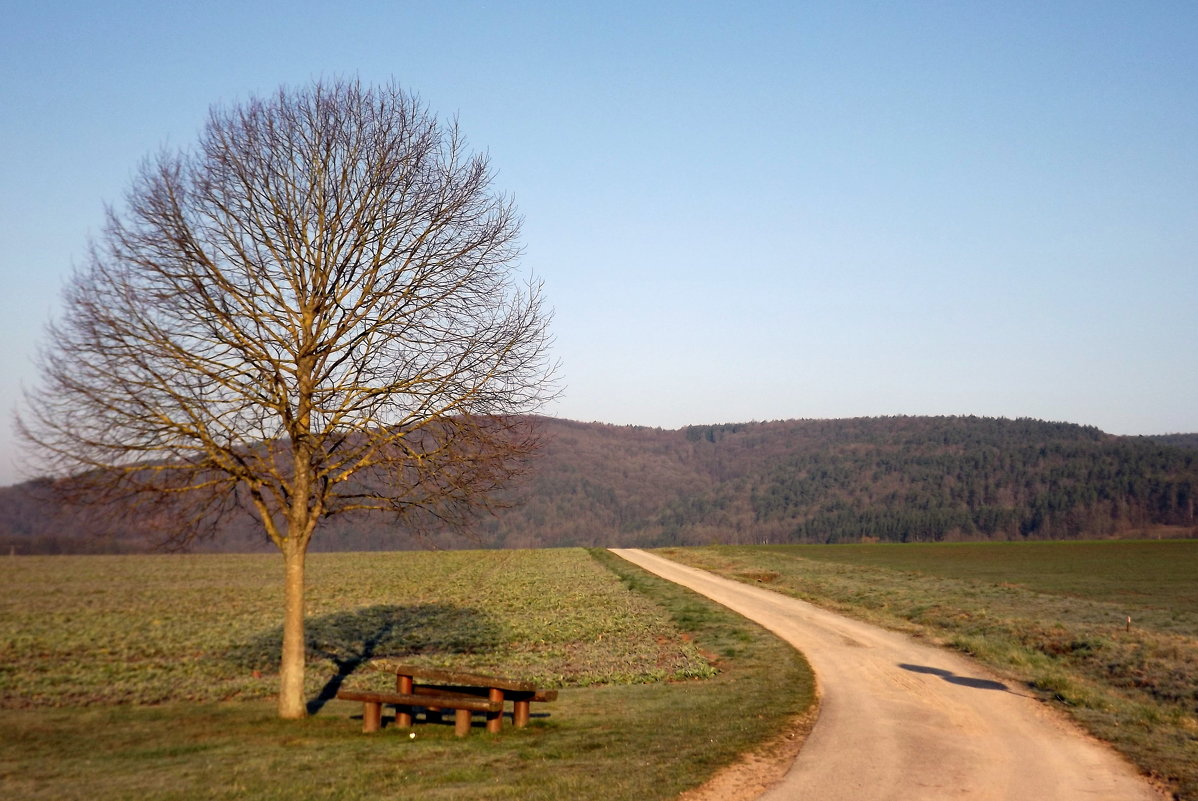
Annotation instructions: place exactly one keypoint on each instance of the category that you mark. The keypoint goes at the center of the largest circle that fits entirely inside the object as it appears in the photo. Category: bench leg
(372, 716)
(461, 722)
(403, 714)
(521, 713)
(495, 719)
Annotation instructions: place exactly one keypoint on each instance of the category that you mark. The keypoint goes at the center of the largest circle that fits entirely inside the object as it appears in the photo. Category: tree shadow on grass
(351, 639)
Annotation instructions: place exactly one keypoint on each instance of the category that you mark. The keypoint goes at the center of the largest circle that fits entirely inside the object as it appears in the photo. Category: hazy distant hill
(1180, 440)
(887, 479)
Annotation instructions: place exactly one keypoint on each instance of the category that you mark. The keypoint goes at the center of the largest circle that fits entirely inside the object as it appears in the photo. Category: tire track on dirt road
(900, 719)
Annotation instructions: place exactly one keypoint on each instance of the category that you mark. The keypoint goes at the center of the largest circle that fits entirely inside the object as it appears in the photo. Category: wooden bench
(372, 708)
(446, 689)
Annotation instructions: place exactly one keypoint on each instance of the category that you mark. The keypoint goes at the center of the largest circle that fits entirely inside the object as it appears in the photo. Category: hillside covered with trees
(894, 479)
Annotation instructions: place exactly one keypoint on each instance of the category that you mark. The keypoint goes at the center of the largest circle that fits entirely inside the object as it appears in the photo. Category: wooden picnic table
(436, 689)
(438, 683)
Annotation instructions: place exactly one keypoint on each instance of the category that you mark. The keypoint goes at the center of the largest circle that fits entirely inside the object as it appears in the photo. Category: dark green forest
(891, 479)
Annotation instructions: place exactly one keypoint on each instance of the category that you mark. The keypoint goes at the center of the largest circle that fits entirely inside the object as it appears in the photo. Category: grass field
(1050, 615)
(1147, 577)
(152, 676)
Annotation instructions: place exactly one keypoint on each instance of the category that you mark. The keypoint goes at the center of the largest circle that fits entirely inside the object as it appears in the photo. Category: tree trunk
(291, 674)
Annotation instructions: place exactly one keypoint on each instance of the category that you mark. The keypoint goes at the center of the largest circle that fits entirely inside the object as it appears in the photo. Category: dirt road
(903, 720)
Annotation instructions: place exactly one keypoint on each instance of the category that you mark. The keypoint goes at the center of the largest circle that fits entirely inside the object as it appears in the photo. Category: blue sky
(743, 211)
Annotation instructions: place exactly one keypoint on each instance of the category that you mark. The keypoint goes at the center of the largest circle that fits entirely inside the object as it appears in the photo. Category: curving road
(903, 720)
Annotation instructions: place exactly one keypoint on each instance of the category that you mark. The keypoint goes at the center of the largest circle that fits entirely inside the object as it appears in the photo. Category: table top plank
(455, 678)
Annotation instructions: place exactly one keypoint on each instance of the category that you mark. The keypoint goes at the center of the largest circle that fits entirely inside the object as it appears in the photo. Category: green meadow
(134, 676)
(1051, 615)
(152, 676)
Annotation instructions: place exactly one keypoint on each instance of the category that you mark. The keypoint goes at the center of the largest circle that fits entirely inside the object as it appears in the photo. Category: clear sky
(741, 211)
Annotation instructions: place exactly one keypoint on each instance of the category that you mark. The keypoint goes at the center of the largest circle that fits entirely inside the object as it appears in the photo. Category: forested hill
(887, 479)
(818, 481)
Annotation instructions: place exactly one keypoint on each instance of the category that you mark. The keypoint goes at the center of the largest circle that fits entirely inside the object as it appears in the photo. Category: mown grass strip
(1053, 618)
(644, 736)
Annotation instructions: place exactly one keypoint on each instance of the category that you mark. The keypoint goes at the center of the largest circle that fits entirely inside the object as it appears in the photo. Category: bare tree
(312, 312)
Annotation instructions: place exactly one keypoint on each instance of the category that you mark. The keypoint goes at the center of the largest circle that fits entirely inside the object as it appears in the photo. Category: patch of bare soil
(757, 771)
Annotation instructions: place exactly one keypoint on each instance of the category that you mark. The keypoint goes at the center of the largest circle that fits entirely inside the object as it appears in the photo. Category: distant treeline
(893, 479)
(896, 479)
(987, 479)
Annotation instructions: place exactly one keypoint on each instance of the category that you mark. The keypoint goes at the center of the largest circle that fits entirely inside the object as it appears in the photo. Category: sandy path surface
(903, 720)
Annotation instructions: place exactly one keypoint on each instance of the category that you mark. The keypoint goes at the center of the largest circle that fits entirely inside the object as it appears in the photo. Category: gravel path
(900, 719)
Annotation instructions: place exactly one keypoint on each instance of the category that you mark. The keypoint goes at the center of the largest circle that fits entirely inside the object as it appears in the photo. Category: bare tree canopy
(314, 311)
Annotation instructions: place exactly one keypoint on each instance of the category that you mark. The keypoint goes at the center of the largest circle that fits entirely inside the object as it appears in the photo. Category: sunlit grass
(631, 721)
(204, 628)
